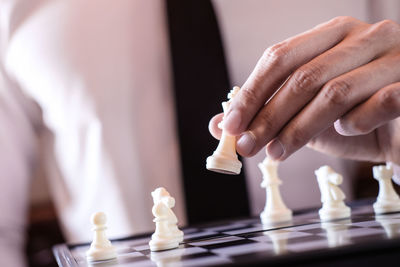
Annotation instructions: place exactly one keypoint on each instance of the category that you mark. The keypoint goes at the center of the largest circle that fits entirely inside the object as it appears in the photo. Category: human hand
(335, 87)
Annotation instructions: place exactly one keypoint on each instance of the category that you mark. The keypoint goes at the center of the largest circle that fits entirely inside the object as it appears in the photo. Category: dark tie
(201, 84)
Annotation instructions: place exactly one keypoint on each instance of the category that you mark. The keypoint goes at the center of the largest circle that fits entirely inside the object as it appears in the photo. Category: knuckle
(386, 26)
(248, 97)
(344, 21)
(305, 80)
(381, 29)
(276, 55)
(336, 92)
(389, 99)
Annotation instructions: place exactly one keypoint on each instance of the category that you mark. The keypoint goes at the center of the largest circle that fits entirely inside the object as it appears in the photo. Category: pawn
(332, 197)
(101, 248)
(167, 235)
(275, 210)
(388, 200)
(224, 159)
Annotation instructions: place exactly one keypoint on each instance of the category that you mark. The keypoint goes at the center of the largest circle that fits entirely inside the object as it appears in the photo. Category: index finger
(276, 64)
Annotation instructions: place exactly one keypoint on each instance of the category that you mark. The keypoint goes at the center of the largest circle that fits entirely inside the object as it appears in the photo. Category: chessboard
(364, 239)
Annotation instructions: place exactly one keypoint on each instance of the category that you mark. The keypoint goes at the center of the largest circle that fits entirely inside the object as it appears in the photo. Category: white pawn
(101, 248)
(224, 159)
(167, 235)
(275, 210)
(332, 197)
(388, 200)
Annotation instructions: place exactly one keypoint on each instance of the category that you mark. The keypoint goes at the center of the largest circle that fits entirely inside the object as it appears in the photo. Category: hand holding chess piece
(167, 235)
(101, 248)
(388, 200)
(224, 159)
(332, 197)
(275, 210)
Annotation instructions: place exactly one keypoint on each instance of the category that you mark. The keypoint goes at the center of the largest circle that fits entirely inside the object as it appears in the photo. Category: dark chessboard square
(229, 227)
(215, 241)
(201, 236)
(245, 249)
(305, 239)
(228, 244)
(254, 256)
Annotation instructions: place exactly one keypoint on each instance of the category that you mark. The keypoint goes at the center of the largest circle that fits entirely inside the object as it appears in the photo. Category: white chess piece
(388, 200)
(101, 248)
(167, 235)
(224, 159)
(275, 210)
(332, 197)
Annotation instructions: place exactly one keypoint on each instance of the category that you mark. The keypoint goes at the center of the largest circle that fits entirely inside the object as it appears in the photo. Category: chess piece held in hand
(101, 248)
(388, 200)
(224, 159)
(167, 235)
(275, 210)
(332, 197)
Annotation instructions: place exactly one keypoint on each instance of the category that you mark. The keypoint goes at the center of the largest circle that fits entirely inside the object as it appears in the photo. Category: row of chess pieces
(168, 236)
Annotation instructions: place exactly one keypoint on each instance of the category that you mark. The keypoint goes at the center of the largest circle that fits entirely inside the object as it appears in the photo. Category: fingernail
(246, 143)
(232, 121)
(275, 149)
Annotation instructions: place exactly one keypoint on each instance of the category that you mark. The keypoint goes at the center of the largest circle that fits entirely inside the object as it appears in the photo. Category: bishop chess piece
(101, 248)
(388, 200)
(275, 210)
(224, 159)
(332, 197)
(167, 235)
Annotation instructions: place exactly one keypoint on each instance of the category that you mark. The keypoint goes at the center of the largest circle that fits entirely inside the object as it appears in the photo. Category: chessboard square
(308, 245)
(131, 260)
(228, 244)
(366, 224)
(305, 227)
(229, 227)
(132, 243)
(365, 232)
(243, 249)
(215, 241)
(306, 239)
(205, 261)
(178, 252)
(200, 235)
(279, 236)
(128, 251)
(246, 230)
(142, 247)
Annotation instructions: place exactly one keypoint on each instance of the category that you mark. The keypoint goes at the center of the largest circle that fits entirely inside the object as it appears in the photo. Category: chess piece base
(386, 206)
(101, 253)
(328, 214)
(159, 244)
(221, 164)
(276, 216)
